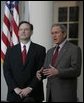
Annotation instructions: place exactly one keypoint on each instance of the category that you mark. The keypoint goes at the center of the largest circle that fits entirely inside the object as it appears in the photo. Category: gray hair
(62, 27)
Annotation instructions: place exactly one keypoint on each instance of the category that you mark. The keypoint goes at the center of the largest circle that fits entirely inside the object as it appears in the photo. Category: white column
(26, 11)
(41, 13)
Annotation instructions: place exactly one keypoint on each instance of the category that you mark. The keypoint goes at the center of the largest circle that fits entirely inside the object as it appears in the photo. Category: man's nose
(54, 35)
(23, 30)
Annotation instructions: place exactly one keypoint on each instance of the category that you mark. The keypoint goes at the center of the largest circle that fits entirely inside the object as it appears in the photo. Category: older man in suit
(62, 67)
(20, 66)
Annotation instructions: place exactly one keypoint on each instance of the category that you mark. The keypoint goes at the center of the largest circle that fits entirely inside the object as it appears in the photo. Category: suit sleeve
(7, 71)
(74, 69)
(40, 57)
(47, 60)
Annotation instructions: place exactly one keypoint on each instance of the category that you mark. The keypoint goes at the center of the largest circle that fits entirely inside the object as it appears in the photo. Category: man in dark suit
(20, 72)
(62, 67)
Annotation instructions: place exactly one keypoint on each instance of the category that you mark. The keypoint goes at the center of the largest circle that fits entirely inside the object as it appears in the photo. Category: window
(69, 16)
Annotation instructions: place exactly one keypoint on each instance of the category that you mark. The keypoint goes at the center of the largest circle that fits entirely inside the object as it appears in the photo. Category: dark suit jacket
(63, 87)
(19, 75)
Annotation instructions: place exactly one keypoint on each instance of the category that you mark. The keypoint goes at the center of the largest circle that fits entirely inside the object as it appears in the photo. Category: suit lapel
(18, 54)
(30, 52)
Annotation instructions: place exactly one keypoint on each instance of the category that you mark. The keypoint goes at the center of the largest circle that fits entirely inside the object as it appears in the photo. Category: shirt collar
(61, 45)
(27, 45)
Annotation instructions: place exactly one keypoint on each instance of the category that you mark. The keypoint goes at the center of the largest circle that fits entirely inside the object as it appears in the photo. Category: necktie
(24, 54)
(55, 54)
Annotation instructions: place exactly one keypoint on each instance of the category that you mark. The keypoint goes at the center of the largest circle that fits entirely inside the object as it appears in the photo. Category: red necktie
(24, 54)
(54, 57)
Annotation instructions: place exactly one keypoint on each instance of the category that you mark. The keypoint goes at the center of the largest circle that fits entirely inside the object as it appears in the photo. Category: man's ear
(64, 35)
(31, 32)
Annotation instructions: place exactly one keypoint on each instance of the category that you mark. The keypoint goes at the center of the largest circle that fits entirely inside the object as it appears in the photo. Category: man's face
(24, 31)
(57, 35)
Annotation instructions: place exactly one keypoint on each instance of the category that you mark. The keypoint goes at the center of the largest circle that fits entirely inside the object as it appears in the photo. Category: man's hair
(22, 22)
(62, 27)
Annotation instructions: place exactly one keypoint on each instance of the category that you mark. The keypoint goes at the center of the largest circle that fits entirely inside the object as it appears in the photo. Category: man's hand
(18, 90)
(25, 91)
(38, 73)
(51, 71)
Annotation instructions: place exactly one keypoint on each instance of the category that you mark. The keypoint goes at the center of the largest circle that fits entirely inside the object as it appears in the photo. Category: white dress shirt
(27, 46)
